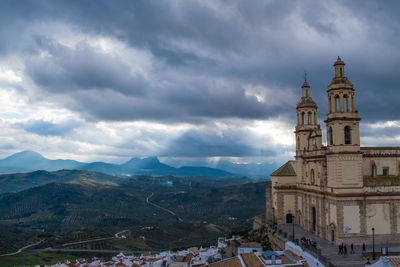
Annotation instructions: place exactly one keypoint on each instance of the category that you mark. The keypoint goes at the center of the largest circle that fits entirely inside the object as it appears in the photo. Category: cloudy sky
(198, 81)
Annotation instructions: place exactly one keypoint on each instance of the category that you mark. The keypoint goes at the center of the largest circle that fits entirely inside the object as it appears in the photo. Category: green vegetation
(21, 181)
(84, 210)
(34, 258)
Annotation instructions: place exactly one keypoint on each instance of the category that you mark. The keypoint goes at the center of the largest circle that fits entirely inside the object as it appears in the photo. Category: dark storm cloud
(383, 131)
(176, 105)
(46, 128)
(195, 43)
(82, 68)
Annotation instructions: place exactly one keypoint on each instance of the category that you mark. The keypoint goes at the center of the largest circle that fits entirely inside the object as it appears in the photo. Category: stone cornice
(332, 194)
(341, 119)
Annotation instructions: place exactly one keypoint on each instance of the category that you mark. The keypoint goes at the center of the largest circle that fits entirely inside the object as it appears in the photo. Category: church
(340, 191)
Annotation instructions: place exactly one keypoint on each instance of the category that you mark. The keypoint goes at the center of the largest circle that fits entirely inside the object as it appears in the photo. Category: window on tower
(312, 176)
(303, 118)
(347, 135)
(345, 103)
(337, 106)
(385, 171)
(309, 117)
(330, 136)
(373, 169)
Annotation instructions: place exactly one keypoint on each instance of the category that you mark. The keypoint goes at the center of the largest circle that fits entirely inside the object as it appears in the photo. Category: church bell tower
(308, 132)
(344, 158)
(342, 118)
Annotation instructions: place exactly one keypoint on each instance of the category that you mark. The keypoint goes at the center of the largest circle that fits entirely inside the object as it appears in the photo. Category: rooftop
(251, 259)
(231, 262)
(250, 245)
(285, 170)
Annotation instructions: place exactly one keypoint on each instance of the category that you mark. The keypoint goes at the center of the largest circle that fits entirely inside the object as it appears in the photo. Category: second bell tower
(342, 119)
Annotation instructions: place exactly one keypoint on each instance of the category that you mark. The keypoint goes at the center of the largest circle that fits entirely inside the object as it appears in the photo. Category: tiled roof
(232, 262)
(393, 261)
(251, 259)
(285, 170)
(194, 250)
(250, 245)
(293, 255)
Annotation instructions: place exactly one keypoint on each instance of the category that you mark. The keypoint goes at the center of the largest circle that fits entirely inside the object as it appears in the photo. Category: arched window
(289, 218)
(337, 105)
(330, 136)
(345, 104)
(309, 118)
(373, 169)
(303, 117)
(298, 142)
(312, 176)
(347, 135)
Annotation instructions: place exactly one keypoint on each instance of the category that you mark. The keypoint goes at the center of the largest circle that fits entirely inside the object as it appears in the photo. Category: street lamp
(373, 243)
(293, 226)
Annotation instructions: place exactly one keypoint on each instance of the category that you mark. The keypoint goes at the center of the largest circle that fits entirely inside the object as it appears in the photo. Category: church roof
(285, 170)
(306, 101)
(341, 80)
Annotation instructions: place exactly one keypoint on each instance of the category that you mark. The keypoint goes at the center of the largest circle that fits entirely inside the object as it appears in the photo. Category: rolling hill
(96, 204)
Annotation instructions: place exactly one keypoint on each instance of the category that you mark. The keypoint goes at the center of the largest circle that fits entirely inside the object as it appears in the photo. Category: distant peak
(153, 158)
(146, 159)
(27, 153)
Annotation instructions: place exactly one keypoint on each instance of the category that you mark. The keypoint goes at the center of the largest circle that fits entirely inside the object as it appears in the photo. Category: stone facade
(340, 191)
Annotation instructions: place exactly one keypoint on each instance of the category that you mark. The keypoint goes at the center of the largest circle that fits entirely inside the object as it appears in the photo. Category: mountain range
(29, 161)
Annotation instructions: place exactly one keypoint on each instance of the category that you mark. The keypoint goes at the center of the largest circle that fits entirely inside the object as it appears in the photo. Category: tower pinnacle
(339, 68)
(306, 88)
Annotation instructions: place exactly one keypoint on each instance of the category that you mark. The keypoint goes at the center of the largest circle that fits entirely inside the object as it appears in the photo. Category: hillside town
(232, 252)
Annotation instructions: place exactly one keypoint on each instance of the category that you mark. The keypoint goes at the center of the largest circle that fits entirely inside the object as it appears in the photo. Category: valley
(83, 210)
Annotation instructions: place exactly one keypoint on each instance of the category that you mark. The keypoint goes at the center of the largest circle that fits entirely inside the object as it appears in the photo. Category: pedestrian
(340, 250)
(352, 248)
(345, 249)
(363, 247)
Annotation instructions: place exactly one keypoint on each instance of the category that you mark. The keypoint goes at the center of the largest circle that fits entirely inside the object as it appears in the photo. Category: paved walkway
(330, 250)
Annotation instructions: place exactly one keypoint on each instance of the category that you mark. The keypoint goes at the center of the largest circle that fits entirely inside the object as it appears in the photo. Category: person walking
(340, 250)
(352, 248)
(345, 249)
(363, 247)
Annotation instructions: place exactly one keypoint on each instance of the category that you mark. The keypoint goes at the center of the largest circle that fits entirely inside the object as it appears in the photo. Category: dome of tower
(306, 102)
(339, 80)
